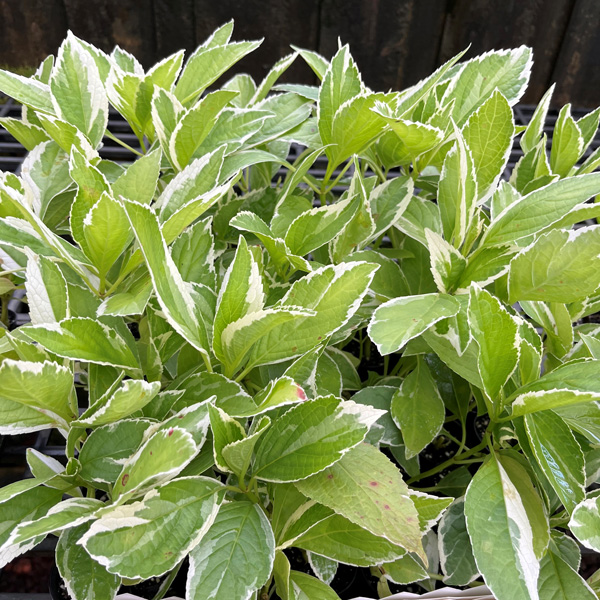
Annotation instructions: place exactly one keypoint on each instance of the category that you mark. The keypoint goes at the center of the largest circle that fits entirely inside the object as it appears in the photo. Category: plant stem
(337, 179)
(4, 317)
(449, 462)
(114, 138)
(166, 584)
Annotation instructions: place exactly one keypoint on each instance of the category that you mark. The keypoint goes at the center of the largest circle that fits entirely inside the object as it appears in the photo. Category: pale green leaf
(402, 319)
(366, 488)
(567, 143)
(46, 290)
(235, 557)
(585, 523)
(136, 540)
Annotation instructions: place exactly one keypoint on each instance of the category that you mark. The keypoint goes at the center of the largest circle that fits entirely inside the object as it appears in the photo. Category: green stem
(449, 462)
(166, 584)
(4, 317)
(4, 273)
(114, 138)
(337, 179)
(207, 363)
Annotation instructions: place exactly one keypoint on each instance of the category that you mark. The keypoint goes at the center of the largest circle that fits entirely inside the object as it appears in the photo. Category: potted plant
(263, 371)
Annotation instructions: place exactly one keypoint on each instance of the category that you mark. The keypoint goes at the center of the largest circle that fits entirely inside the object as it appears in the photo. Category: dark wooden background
(395, 42)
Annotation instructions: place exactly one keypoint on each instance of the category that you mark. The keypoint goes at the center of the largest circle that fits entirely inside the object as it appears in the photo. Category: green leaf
(288, 450)
(206, 65)
(571, 383)
(341, 82)
(402, 319)
(133, 395)
(238, 454)
(84, 339)
(560, 266)
(235, 557)
(501, 534)
(65, 514)
(367, 489)
(339, 539)
(380, 397)
(22, 501)
(324, 568)
(314, 60)
(505, 70)
(78, 94)
(289, 110)
(135, 540)
(318, 226)
(27, 134)
(157, 461)
(307, 587)
(457, 191)
(333, 292)
(138, 182)
(558, 455)
(447, 263)
(106, 448)
(35, 396)
(409, 139)
(489, 134)
(559, 581)
(280, 67)
(197, 179)
(172, 292)
(567, 143)
(107, 233)
(418, 409)
(226, 430)
(82, 575)
(27, 90)
(535, 127)
(540, 209)
(46, 290)
(405, 570)
(585, 523)
(456, 554)
(495, 332)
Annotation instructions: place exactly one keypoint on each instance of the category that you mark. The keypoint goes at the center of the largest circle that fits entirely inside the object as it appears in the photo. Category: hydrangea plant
(247, 355)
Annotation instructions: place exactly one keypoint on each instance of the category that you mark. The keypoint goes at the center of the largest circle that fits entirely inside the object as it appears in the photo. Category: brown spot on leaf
(373, 484)
(330, 476)
(300, 393)
(170, 432)
(386, 506)
(294, 348)
(125, 479)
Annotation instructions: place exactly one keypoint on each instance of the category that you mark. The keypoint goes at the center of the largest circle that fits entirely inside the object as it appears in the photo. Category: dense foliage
(245, 356)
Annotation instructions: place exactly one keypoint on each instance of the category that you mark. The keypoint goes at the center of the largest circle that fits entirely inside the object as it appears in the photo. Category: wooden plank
(494, 25)
(128, 23)
(280, 22)
(394, 42)
(30, 30)
(175, 26)
(577, 70)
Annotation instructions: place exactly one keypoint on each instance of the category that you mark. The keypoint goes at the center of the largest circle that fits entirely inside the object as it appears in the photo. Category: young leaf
(560, 581)
(535, 127)
(307, 587)
(226, 430)
(397, 321)
(173, 294)
(495, 332)
(134, 540)
(447, 263)
(46, 290)
(457, 192)
(567, 143)
(287, 451)
(379, 501)
(235, 557)
(138, 182)
(78, 95)
(418, 409)
(489, 134)
(27, 90)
